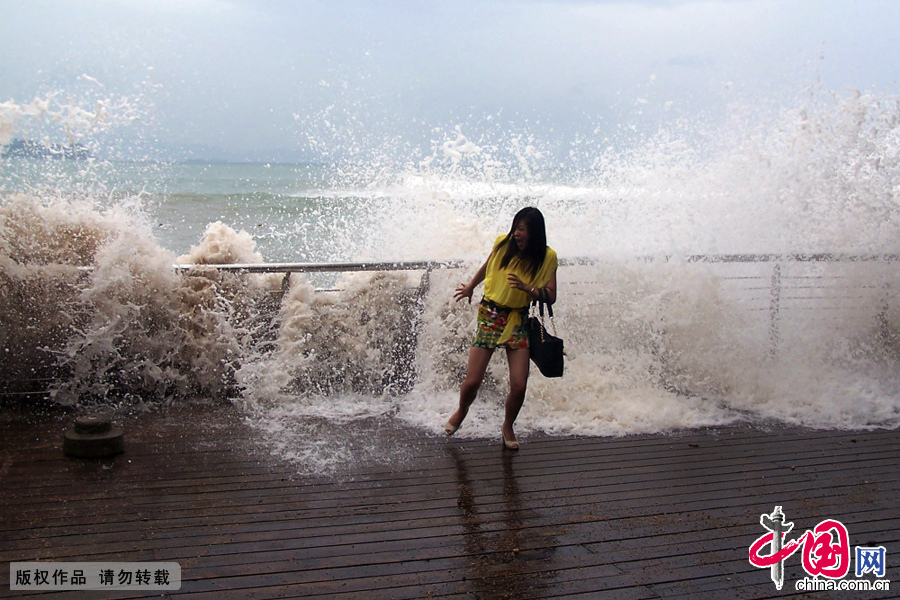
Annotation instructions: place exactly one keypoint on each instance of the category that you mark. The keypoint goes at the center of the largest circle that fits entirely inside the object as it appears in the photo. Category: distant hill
(30, 149)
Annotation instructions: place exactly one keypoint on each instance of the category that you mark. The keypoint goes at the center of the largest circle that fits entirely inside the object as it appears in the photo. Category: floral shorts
(492, 319)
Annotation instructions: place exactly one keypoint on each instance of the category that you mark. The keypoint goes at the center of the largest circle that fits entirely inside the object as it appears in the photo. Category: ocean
(743, 273)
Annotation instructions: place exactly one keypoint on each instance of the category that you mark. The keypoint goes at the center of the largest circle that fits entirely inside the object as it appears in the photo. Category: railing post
(884, 328)
(424, 285)
(774, 307)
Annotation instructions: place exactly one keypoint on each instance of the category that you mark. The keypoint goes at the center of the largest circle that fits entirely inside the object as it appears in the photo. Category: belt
(494, 305)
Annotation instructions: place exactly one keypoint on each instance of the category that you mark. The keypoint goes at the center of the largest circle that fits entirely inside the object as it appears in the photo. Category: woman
(520, 264)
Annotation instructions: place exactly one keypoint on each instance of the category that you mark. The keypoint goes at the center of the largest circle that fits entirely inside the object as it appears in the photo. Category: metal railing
(777, 283)
(428, 265)
(775, 291)
(344, 267)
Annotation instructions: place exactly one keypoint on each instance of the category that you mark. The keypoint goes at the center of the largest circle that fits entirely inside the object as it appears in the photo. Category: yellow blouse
(498, 290)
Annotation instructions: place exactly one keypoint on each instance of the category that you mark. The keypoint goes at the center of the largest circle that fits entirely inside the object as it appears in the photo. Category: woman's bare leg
(518, 383)
(475, 370)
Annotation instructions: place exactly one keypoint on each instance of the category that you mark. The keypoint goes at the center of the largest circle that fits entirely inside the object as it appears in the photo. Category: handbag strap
(539, 303)
(544, 295)
(543, 299)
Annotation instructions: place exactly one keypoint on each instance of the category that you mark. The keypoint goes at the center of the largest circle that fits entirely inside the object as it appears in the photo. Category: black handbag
(546, 350)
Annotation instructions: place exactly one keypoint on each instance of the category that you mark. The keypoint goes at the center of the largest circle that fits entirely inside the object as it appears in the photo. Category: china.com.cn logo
(826, 554)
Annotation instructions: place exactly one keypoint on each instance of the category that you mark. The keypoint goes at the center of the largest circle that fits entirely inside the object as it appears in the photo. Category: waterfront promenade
(655, 516)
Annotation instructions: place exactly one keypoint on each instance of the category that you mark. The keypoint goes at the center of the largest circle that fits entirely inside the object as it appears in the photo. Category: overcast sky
(257, 79)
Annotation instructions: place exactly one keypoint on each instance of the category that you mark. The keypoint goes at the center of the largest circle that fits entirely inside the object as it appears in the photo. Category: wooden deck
(657, 516)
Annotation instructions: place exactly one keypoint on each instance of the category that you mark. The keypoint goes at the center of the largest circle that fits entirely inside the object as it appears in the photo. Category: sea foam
(663, 330)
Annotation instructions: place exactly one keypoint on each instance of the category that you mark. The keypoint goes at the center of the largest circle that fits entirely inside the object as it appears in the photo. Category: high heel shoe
(509, 444)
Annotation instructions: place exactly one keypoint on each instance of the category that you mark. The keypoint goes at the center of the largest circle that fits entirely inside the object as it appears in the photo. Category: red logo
(826, 548)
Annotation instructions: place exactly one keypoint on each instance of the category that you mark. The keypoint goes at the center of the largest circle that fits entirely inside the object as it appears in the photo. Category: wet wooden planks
(659, 516)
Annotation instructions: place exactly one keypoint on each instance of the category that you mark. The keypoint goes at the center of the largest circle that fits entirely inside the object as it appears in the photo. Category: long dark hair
(532, 256)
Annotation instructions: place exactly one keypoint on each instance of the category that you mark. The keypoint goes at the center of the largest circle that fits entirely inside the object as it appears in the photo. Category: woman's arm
(551, 288)
(532, 291)
(466, 290)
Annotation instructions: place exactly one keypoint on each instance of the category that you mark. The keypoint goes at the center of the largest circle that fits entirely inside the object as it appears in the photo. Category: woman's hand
(464, 291)
(517, 283)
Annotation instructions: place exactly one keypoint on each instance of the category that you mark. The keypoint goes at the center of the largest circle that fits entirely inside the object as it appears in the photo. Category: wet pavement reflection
(494, 514)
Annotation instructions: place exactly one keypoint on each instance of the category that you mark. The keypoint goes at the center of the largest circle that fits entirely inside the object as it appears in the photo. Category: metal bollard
(93, 437)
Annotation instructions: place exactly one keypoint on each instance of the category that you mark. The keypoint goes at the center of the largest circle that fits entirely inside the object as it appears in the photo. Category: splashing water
(93, 310)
